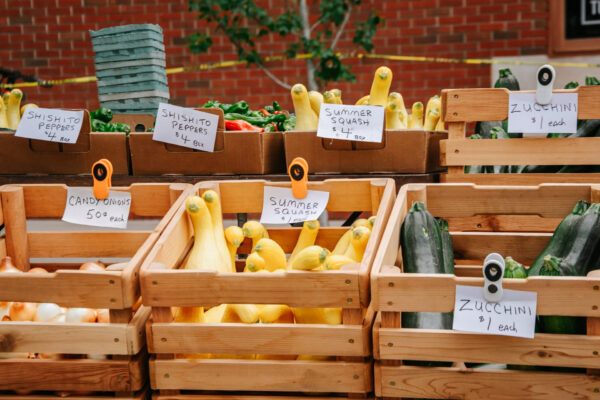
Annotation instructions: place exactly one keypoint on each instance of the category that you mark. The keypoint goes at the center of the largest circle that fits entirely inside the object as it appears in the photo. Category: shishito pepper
(257, 121)
(241, 107)
(98, 126)
(102, 114)
(123, 128)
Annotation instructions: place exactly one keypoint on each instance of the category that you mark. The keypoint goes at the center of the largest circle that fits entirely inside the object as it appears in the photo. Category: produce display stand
(461, 106)
(124, 373)
(401, 151)
(236, 152)
(165, 286)
(27, 156)
(511, 220)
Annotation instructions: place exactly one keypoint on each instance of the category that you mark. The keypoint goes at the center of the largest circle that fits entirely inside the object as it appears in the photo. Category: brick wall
(49, 39)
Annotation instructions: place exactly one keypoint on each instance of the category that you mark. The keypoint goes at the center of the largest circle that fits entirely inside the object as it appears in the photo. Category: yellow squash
(276, 314)
(362, 101)
(431, 119)
(307, 237)
(416, 118)
(234, 236)
(372, 221)
(254, 263)
(330, 316)
(204, 254)
(440, 125)
(358, 243)
(337, 261)
(309, 258)
(392, 117)
(343, 243)
(255, 231)
(329, 97)
(380, 87)
(189, 314)
(316, 99)
(3, 115)
(240, 313)
(338, 95)
(306, 118)
(272, 253)
(211, 198)
(13, 111)
(27, 105)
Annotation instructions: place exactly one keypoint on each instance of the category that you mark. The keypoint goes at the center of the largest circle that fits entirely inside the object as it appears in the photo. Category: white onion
(97, 357)
(22, 311)
(47, 312)
(4, 306)
(103, 316)
(80, 315)
(7, 266)
(93, 266)
(37, 270)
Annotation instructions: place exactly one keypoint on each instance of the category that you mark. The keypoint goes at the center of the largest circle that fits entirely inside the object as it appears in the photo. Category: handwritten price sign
(51, 125)
(84, 209)
(533, 119)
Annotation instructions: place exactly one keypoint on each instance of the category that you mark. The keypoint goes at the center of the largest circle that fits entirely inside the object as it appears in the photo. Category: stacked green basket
(130, 66)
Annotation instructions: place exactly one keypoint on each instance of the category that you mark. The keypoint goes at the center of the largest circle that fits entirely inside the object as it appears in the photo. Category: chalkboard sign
(574, 26)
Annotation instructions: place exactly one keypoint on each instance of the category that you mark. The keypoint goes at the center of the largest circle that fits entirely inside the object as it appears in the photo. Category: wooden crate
(164, 286)
(401, 151)
(124, 373)
(511, 220)
(468, 105)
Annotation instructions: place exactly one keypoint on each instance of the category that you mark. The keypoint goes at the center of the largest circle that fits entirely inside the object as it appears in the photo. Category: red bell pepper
(240, 125)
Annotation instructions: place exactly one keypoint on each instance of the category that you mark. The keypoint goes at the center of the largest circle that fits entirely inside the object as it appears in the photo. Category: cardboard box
(28, 156)
(137, 122)
(236, 152)
(402, 151)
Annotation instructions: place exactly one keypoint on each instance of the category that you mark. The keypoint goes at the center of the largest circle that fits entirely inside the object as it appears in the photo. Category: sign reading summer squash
(346, 122)
(186, 127)
(281, 207)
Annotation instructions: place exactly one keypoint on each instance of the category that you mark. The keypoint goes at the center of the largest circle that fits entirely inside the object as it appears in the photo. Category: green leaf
(198, 42)
(363, 36)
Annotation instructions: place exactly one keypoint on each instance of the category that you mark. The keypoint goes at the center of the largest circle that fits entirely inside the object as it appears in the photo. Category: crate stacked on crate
(80, 359)
(510, 220)
(130, 66)
(462, 106)
(347, 372)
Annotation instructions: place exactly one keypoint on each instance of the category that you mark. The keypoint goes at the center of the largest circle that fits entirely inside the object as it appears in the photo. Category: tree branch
(342, 27)
(310, 65)
(273, 77)
(313, 26)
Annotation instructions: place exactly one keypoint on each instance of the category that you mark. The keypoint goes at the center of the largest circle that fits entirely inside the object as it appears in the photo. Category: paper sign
(84, 209)
(281, 207)
(533, 119)
(514, 315)
(50, 124)
(185, 127)
(357, 123)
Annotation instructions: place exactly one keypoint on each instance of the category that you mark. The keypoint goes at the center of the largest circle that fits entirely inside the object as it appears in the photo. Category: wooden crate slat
(341, 340)
(477, 245)
(461, 200)
(85, 244)
(73, 288)
(520, 179)
(141, 395)
(569, 295)
(245, 397)
(492, 104)
(95, 375)
(353, 195)
(528, 151)
(452, 383)
(261, 375)
(441, 345)
(48, 201)
(503, 223)
(294, 288)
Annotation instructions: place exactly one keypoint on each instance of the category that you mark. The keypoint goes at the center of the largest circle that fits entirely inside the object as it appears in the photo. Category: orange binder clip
(102, 171)
(298, 172)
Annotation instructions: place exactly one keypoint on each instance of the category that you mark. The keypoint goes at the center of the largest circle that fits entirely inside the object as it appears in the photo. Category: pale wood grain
(452, 383)
(503, 223)
(520, 179)
(477, 245)
(262, 375)
(312, 339)
(15, 226)
(569, 295)
(470, 105)
(240, 397)
(96, 375)
(526, 151)
(47, 244)
(441, 345)
(141, 395)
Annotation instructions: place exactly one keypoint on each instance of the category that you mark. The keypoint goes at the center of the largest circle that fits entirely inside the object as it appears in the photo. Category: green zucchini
(507, 80)
(514, 269)
(559, 324)
(484, 128)
(421, 242)
(447, 248)
(581, 255)
(562, 237)
(572, 85)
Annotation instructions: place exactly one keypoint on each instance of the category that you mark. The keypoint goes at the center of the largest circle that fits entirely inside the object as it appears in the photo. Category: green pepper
(289, 124)
(258, 121)
(98, 126)
(123, 128)
(591, 81)
(572, 85)
(241, 107)
(102, 114)
(110, 127)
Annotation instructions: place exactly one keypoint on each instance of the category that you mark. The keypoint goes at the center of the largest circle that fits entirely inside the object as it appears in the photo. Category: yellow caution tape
(228, 64)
